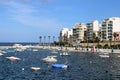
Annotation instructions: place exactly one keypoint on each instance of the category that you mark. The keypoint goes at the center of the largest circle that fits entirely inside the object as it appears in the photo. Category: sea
(81, 66)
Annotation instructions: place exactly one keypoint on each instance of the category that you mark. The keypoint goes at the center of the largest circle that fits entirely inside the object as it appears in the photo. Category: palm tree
(115, 36)
(103, 39)
(94, 37)
(65, 38)
(110, 42)
(49, 39)
(53, 40)
(40, 37)
(98, 38)
(44, 39)
(59, 40)
(70, 40)
(85, 38)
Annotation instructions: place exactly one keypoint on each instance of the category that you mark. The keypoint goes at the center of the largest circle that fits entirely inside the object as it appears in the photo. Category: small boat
(19, 50)
(64, 54)
(1, 54)
(3, 51)
(50, 59)
(35, 68)
(60, 66)
(35, 50)
(12, 58)
(104, 56)
(54, 52)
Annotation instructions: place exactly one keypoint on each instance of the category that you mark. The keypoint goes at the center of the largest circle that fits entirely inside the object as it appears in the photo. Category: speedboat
(12, 58)
(50, 59)
(35, 68)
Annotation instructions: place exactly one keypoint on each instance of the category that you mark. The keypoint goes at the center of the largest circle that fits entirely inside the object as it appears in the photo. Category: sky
(26, 20)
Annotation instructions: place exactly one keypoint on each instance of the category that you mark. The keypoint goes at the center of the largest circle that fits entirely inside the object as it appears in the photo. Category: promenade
(69, 49)
(79, 49)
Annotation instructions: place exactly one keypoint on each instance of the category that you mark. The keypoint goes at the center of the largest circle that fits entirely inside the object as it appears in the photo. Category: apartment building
(65, 34)
(109, 27)
(92, 29)
(79, 32)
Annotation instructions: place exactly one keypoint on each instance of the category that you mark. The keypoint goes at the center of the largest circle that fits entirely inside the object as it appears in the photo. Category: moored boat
(54, 52)
(64, 66)
(104, 56)
(12, 58)
(1, 54)
(64, 54)
(35, 68)
(50, 59)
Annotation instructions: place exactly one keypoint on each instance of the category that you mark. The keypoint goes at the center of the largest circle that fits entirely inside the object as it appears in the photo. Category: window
(110, 22)
(110, 25)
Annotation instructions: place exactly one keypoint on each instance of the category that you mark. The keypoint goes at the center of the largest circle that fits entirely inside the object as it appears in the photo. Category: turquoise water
(82, 66)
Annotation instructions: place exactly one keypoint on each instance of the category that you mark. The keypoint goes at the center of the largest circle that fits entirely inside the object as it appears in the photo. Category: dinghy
(60, 66)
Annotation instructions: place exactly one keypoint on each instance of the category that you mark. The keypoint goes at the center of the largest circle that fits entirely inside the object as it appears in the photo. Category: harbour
(81, 66)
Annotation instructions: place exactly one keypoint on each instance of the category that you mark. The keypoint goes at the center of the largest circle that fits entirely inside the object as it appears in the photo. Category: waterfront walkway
(70, 49)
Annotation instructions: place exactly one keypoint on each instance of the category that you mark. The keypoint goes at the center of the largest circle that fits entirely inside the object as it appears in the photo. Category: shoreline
(69, 49)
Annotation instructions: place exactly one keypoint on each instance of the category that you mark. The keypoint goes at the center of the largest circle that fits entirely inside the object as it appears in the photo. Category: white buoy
(23, 69)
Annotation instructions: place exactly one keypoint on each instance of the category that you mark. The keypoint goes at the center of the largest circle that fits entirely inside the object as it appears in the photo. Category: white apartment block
(78, 32)
(92, 27)
(65, 34)
(109, 26)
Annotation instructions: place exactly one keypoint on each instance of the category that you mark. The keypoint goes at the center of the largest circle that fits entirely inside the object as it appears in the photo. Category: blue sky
(26, 20)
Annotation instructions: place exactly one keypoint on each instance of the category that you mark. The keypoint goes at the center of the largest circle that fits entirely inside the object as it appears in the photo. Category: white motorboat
(1, 54)
(50, 59)
(104, 56)
(19, 49)
(35, 50)
(12, 58)
(54, 52)
(64, 54)
(35, 68)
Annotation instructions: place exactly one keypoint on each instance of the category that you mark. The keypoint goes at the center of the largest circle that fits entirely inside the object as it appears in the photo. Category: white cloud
(25, 14)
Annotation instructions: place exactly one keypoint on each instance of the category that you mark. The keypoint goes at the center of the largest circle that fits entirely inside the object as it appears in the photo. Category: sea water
(82, 66)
